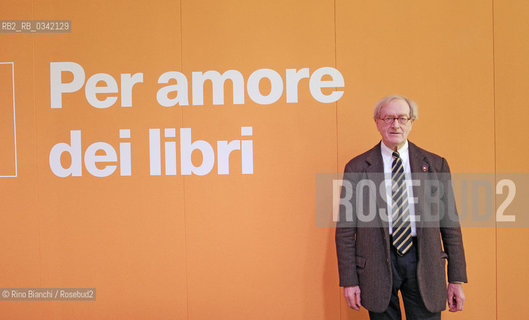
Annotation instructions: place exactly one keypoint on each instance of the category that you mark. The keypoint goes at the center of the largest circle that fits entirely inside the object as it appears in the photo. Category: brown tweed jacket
(363, 247)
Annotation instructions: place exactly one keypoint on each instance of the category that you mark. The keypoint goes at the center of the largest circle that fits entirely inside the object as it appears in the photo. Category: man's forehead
(396, 107)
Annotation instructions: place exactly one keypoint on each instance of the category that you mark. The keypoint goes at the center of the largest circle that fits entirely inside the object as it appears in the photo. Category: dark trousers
(404, 271)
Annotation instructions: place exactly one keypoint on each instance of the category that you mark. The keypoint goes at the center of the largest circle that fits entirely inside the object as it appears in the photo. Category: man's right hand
(352, 296)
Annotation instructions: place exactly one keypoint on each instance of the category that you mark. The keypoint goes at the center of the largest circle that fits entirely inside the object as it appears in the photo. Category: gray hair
(414, 112)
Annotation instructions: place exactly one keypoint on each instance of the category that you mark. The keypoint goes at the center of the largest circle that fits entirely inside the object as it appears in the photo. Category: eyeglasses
(402, 120)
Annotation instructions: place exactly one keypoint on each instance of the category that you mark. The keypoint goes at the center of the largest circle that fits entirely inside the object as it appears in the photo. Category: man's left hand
(456, 297)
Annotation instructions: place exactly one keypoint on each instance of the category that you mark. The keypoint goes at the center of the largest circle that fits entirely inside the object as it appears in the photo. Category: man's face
(394, 134)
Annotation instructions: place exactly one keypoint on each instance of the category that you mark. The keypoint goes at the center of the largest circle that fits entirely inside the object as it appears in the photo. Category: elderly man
(414, 233)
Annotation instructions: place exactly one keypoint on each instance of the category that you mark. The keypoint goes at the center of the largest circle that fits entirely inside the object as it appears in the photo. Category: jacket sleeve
(345, 235)
(451, 230)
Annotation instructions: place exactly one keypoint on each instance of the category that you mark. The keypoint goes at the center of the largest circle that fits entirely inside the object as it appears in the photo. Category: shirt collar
(386, 151)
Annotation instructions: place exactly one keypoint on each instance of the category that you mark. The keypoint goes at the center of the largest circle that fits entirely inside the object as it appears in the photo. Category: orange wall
(246, 246)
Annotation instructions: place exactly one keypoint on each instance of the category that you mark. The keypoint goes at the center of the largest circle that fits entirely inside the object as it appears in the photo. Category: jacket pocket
(360, 262)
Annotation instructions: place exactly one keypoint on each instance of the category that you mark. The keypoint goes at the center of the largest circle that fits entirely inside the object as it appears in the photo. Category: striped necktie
(402, 240)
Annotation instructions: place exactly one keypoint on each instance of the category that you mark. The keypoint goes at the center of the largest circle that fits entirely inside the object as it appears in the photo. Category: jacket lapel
(420, 167)
(375, 173)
